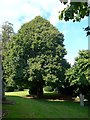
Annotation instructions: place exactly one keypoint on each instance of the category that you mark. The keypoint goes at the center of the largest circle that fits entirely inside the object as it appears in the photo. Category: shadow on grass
(46, 108)
(46, 99)
(57, 98)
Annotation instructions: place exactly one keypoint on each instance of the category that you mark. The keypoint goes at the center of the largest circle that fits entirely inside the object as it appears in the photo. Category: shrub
(48, 89)
(32, 90)
(9, 89)
(20, 88)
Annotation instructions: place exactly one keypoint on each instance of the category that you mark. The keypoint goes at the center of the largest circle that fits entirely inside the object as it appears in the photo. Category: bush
(9, 89)
(20, 88)
(70, 91)
(33, 90)
(48, 89)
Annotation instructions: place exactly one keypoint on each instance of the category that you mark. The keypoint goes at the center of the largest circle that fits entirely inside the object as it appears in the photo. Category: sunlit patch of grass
(18, 93)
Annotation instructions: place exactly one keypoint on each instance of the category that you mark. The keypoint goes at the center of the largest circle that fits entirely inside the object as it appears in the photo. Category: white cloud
(30, 10)
(20, 11)
(70, 59)
(54, 18)
(10, 11)
(13, 10)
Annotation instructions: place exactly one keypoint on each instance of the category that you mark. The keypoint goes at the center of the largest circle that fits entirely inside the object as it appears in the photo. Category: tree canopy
(35, 56)
(6, 34)
(78, 74)
(76, 11)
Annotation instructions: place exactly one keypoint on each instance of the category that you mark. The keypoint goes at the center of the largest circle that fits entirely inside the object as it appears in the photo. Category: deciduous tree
(7, 32)
(35, 56)
(78, 74)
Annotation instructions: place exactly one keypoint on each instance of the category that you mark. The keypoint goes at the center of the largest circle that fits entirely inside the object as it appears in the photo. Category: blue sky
(75, 38)
(20, 11)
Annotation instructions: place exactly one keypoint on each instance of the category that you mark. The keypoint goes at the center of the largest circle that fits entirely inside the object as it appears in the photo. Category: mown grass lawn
(42, 108)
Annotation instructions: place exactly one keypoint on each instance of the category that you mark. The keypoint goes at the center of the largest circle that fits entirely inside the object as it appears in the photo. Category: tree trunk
(40, 92)
(39, 89)
(2, 88)
(3, 91)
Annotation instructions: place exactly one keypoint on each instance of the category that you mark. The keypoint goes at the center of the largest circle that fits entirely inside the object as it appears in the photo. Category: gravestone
(81, 100)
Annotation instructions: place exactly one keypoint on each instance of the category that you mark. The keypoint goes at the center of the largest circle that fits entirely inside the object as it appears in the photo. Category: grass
(42, 108)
